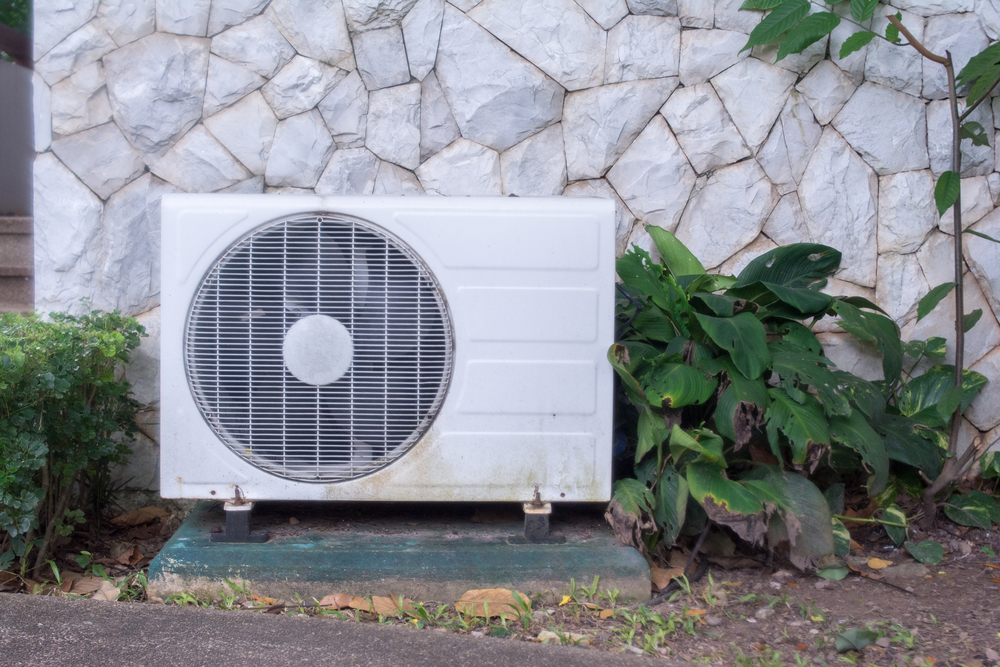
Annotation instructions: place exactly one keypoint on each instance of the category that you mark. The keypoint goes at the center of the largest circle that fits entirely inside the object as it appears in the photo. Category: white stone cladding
(651, 104)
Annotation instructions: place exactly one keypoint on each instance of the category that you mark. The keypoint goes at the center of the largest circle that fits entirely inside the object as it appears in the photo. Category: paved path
(39, 631)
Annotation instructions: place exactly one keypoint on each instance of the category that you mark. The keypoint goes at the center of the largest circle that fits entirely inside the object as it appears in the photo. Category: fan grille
(343, 268)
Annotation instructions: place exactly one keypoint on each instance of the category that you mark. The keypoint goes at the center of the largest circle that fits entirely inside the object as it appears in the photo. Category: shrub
(65, 417)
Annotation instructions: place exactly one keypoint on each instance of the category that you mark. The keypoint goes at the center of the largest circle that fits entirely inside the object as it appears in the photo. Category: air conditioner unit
(377, 348)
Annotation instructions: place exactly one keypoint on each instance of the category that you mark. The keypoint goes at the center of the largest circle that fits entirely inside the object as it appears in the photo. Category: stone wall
(649, 102)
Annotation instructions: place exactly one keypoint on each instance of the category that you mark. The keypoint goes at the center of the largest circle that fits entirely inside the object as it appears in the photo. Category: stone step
(16, 265)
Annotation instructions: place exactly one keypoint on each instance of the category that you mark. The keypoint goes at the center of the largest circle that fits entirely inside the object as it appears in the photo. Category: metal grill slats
(346, 269)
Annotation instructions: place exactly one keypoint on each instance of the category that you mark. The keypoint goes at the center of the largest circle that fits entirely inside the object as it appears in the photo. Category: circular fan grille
(345, 270)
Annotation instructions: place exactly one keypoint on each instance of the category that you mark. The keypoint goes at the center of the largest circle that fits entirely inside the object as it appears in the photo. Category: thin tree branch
(923, 50)
(982, 98)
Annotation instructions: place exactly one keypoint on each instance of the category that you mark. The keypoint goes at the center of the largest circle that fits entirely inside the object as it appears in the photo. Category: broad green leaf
(760, 4)
(861, 302)
(618, 357)
(981, 71)
(988, 502)
(719, 304)
(809, 30)
(795, 265)
(841, 538)
(727, 502)
(633, 496)
(932, 299)
(854, 432)
(703, 442)
(671, 504)
(968, 510)
(855, 639)
(946, 191)
(892, 32)
(805, 426)
(808, 302)
(935, 348)
(778, 22)
(923, 396)
(862, 395)
(744, 337)
(802, 517)
(710, 282)
(794, 365)
(974, 132)
(835, 497)
(677, 385)
(927, 552)
(896, 533)
(856, 42)
(800, 336)
(652, 323)
(905, 444)
(878, 328)
(862, 10)
(675, 255)
(980, 235)
(833, 573)
(651, 432)
(737, 419)
(969, 320)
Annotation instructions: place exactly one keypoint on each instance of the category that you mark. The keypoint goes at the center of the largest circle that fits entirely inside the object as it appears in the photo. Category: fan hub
(318, 350)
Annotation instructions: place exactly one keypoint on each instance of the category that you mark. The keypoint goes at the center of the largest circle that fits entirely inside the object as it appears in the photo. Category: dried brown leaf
(140, 516)
(385, 606)
(85, 585)
(661, 576)
(336, 601)
(878, 563)
(491, 602)
(607, 613)
(107, 592)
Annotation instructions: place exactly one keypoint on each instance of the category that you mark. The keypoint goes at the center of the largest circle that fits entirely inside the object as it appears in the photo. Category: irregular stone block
(786, 223)
(739, 261)
(959, 34)
(876, 136)
(463, 168)
(233, 12)
(624, 220)
(256, 45)
(246, 129)
(853, 65)
(976, 160)
(83, 47)
(345, 111)
(839, 195)
(497, 97)
(977, 201)
(600, 123)
(800, 63)
(395, 181)
(100, 157)
(984, 411)
(381, 58)
(67, 216)
(728, 16)
(363, 15)
(351, 171)
(728, 213)
(703, 128)
(437, 124)
(251, 186)
(852, 355)
(754, 94)
(786, 152)
(654, 7)
(301, 149)
(899, 285)
(826, 88)
(300, 85)
(421, 32)
(935, 7)
(893, 65)
(127, 20)
(643, 47)
(183, 17)
(81, 101)
(696, 13)
(199, 163)
(536, 167)
(556, 36)
(55, 19)
(906, 211)
(314, 34)
(157, 88)
(41, 113)
(653, 177)
(606, 12)
(394, 124)
(705, 53)
(227, 82)
(983, 257)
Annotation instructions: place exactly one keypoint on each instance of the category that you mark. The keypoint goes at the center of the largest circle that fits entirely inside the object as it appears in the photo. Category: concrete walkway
(39, 631)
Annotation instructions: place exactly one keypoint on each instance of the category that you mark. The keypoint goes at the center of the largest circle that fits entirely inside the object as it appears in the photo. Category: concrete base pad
(426, 552)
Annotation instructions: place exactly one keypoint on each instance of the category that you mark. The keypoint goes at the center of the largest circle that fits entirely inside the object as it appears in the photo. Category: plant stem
(861, 520)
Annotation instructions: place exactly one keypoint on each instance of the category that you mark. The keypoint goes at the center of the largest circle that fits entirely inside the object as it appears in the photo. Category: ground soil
(766, 615)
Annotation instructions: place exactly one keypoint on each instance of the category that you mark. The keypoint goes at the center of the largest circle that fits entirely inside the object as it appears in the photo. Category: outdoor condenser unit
(386, 348)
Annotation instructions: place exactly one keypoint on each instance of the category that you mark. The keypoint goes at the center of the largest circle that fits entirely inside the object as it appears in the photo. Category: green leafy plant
(793, 25)
(732, 397)
(65, 417)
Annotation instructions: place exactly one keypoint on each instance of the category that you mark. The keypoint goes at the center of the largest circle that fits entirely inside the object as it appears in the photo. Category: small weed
(611, 595)
(591, 591)
(770, 658)
(188, 600)
(522, 608)
(988, 550)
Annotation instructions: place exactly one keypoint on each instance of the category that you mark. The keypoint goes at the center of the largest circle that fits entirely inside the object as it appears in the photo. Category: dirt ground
(766, 615)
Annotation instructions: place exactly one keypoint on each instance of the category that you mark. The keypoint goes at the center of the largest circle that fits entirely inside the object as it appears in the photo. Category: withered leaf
(661, 576)
(336, 601)
(490, 602)
(106, 591)
(140, 516)
(85, 585)
(384, 606)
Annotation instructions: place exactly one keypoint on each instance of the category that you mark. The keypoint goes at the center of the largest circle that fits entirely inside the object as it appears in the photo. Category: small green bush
(65, 416)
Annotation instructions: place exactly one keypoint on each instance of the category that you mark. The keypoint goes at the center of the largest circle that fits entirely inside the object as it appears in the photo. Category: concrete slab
(426, 552)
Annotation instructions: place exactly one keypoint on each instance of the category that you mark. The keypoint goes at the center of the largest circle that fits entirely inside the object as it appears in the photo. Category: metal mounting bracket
(238, 524)
(536, 524)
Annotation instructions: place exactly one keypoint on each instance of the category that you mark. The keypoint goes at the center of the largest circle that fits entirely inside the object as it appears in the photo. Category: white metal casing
(529, 285)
